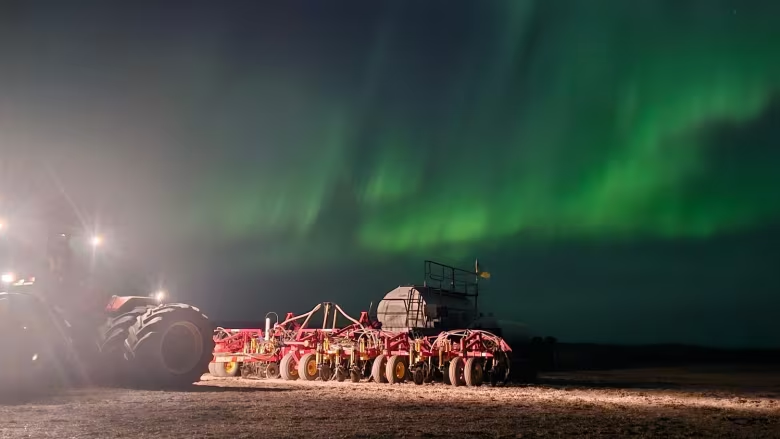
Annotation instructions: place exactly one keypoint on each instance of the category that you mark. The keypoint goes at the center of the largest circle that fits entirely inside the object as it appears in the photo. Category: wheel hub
(400, 370)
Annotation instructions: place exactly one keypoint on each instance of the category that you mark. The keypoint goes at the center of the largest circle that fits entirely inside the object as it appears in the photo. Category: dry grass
(640, 403)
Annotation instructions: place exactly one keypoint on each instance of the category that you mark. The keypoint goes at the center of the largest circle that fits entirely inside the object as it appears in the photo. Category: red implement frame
(459, 357)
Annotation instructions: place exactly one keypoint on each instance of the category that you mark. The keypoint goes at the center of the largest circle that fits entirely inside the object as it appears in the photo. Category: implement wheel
(500, 372)
(272, 371)
(307, 367)
(354, 376)
(456, 372)
(396, 369)
(418, 375)
(473, 372)
(212, 370)
(226, 370)
(326, 373)
(378, 369)
(289, 367)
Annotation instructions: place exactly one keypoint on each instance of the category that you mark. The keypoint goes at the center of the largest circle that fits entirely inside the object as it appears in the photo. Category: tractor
(58, 331)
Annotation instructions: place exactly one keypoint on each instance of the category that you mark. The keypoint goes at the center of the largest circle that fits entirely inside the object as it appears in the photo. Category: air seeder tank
(446, 300)
(422, 307)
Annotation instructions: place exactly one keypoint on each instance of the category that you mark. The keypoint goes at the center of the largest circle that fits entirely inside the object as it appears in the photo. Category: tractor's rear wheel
(169, 346)
(307, 367)
(113, 367)
(289, 367)
(378, 369)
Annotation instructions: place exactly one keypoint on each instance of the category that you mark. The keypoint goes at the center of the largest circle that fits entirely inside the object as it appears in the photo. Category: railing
(447, 279)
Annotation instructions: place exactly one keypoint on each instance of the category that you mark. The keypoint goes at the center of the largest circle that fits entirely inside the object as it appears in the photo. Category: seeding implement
(409, 339)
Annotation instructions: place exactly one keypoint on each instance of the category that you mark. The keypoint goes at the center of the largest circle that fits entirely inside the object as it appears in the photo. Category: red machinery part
(292, 349)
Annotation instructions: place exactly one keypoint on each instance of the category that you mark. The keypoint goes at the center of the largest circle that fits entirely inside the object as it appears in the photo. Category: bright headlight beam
(96, 241)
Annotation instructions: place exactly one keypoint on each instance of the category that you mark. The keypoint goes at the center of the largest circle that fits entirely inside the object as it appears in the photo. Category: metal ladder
(415, 317)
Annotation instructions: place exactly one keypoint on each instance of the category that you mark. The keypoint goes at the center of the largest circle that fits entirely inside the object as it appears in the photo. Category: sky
(611, 163)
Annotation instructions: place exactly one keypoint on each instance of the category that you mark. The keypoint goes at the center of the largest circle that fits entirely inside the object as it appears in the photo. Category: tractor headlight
(7, 278)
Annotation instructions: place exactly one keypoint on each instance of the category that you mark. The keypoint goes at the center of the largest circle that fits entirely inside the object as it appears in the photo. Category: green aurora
(530, 120)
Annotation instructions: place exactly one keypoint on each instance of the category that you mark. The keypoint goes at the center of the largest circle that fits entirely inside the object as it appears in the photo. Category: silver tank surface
(417, 307)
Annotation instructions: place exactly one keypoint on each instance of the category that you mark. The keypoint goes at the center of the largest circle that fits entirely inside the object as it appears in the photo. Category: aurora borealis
(538, 120)
(542, 136)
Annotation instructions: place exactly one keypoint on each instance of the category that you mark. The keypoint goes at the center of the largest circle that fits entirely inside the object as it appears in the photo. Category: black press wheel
(326, 373)
(272, 371)
(354, 376)
(500, 372)
(418, 375)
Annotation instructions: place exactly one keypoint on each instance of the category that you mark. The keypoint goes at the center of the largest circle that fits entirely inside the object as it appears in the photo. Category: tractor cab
(21, 260)
(45, 263)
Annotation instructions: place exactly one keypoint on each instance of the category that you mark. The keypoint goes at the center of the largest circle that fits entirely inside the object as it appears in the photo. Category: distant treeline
(576, 356)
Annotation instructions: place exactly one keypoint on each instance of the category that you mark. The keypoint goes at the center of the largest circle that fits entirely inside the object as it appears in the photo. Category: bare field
(639, 403)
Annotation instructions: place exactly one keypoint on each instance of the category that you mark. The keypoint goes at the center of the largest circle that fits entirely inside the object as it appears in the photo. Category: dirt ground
(693, 402)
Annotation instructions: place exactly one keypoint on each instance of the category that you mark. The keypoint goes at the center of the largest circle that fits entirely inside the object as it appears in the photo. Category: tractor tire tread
(143, 354)
(114, 332)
